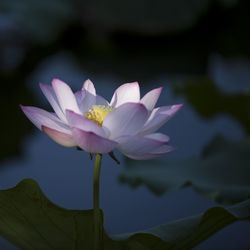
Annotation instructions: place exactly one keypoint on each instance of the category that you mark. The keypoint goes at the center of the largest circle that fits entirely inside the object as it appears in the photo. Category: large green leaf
(222, 174)
(189, 232)
(30, 221)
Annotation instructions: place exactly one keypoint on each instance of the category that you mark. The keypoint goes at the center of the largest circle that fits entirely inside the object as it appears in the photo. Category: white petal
(89, 86)
(65, 96)
(139, 145)
(159, 117)
(93, 143)
(128, 92)
(151, 98)
(146, 147)
(63, 139)
(88, 100)
(158, 137)
(51, 97)
(127, 119)
(163, 149)
(79, 121)
(40, 117)
(79, 95)
(101, 101)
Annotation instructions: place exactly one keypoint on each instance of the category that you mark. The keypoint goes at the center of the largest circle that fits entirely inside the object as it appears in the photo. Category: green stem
(97, 217)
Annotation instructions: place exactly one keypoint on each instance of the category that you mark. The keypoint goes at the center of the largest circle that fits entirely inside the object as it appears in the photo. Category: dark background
(197, 49)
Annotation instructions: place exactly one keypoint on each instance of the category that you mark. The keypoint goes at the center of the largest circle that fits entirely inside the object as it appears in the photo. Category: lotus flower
(86, 120)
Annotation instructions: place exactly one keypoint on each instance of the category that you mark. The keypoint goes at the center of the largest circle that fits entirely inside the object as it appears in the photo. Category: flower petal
(63, 139)
(79, 121)
(147, 147)
(128, 92)
(101, 101)
(127, 119)
(89, 86)
(139, 145)
(159, 117)
(151, 98)
(40, 117)
(151, 155)
(51, 97)
(93, 143)
(65, 96)
(163, 150)
(79, 95)
(158, 137)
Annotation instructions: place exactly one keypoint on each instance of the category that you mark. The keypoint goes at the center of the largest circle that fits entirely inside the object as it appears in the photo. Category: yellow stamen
(98, 113)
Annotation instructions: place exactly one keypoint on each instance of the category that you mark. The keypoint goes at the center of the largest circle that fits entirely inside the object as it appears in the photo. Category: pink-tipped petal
(40, 117)
(151, 98)
(63, 139)
(127, 119)
(79, 121)
(51, 97)
(93, 143)
(147, 147)
(128, 92)
(159, 117)
(89, 86)
(65, 96)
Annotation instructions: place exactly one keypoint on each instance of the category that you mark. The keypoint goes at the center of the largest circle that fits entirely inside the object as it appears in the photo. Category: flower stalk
(96, 205)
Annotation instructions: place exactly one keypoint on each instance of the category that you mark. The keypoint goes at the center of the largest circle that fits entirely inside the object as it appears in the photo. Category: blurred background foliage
(197, 49)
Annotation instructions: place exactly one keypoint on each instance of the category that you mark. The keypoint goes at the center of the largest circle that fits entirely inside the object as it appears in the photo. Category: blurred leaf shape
(189, 232)
(222, 174)
(209, 101)
(30, 221)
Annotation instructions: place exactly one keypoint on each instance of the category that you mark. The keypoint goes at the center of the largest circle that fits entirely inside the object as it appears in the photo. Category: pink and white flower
(84, 119)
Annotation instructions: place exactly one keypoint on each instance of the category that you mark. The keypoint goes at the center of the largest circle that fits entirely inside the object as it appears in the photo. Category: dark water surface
(65, 175)
(200, 56)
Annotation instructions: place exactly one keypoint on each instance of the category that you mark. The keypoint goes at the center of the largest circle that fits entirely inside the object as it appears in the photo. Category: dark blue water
(65, 175)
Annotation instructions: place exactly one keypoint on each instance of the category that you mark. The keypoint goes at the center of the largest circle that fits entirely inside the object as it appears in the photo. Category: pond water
(65, 175)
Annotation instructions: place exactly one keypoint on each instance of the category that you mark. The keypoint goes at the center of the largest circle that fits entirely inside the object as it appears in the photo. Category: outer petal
(151, 98)
(151, 155)
(65, 96)
(128, 92)
(147, 147)
(158, 117)
(127, 119)
(63, 139)
(40, 117)
(51, 97)
(158, 137)
(93, 143)
(79, 121)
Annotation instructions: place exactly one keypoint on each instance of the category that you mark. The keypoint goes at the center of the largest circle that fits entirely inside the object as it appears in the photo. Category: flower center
(98, 113)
